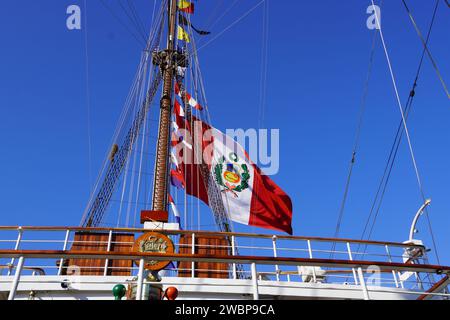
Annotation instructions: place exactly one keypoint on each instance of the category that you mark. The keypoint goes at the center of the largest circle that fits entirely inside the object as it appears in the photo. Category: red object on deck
(171, 293)
(159, 216)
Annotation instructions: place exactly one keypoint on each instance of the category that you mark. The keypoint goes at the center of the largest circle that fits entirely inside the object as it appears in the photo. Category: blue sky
(318, 58)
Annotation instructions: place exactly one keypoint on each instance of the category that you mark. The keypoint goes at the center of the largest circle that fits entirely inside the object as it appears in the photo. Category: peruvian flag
(249, 196)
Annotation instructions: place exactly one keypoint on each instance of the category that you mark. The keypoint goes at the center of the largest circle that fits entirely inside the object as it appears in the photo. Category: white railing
(265, 257)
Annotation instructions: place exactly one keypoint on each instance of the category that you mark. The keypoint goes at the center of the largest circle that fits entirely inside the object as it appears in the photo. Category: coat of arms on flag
(232, 176)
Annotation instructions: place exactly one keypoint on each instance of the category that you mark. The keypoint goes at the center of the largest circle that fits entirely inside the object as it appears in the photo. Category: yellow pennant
(183, 4)
(183, 35)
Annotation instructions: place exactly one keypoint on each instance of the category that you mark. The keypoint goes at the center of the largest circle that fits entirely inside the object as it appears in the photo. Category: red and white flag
(178, 109)
(189, 99)
(249, 196)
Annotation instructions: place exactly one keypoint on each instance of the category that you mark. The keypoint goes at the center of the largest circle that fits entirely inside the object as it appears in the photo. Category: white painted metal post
(61, 261)
(255, 282)
(233, 252)
(15, 283)
(193, 252)
(311, 256)
(402, 285)
(350, 256)
(105, 271)
(390, 260)
(274, 245)
(363, 284)
(16, 247)
(140, 282)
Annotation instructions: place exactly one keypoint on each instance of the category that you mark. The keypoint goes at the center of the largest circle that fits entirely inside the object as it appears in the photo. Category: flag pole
(166, 62)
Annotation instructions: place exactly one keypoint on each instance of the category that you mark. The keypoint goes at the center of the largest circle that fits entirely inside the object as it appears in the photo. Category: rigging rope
(110, 170)
(137, 17)
(142, 151)
(397, 96)
(232, 24)
(357, 140)
(114, 139)
(213, 12)
(264, 63)
(225, 12)
(124, 24)
(395, 146)
(88, 95)
(135, 21)
(405, 127)
(139, 75)
(425, 46)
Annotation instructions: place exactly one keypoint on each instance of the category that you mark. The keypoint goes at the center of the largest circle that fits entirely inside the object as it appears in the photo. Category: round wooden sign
(154, 242)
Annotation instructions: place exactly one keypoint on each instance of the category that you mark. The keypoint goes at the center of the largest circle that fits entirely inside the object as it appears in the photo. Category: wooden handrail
(211, 233)
(48, 254)
(436, 287)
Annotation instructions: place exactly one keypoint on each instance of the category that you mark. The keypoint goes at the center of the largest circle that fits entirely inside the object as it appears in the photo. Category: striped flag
(176, 213)
(173, 159)
(191, 101)
(179, 111)
(177, 179)
(177, 137)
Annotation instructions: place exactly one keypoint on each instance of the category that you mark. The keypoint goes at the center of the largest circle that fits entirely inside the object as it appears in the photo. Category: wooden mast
(161, 178)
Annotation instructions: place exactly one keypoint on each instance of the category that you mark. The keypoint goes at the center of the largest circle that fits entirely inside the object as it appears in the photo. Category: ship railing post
(140, 280)
(61, 261)
(350, 257)
(16, 247)
(108, 249)
(15, 283)
(255, 282)
(233, 252)
(402, 285)
(274, 245)
(390, 260)
(363, 284)
(299, 270)
(193, 252)
(310, 252)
